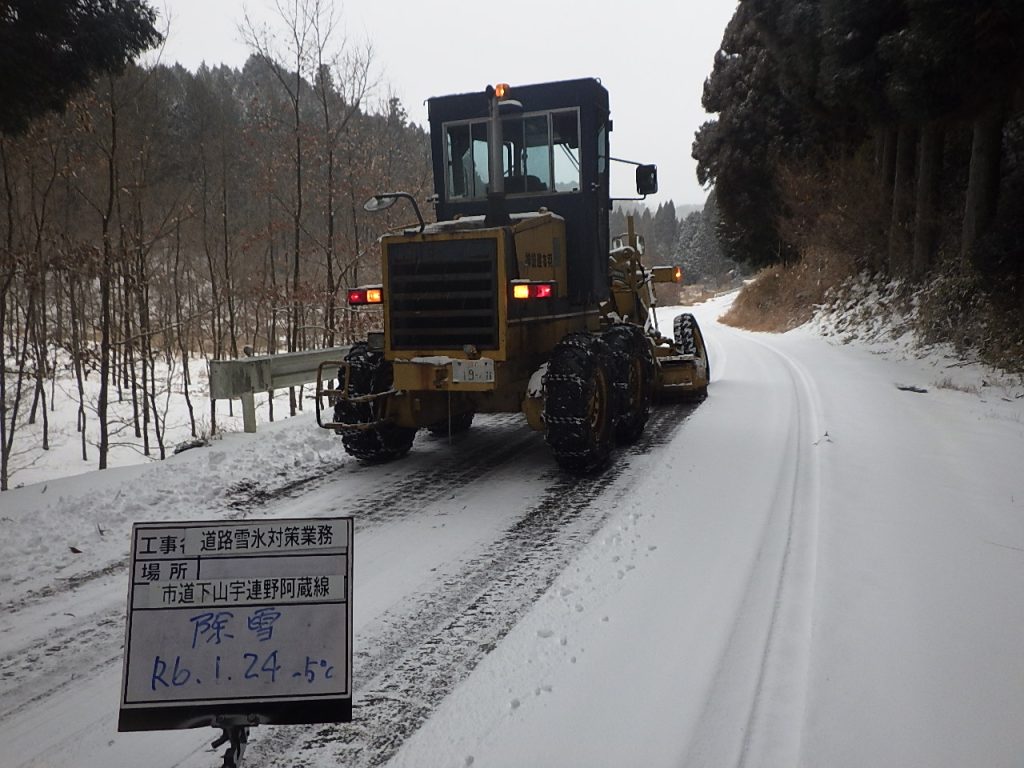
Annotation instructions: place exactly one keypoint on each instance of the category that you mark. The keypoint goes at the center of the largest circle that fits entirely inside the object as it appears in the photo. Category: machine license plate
(473, 371)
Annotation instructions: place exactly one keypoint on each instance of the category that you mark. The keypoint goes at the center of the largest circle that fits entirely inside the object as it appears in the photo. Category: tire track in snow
(430, 472)
(36, 673)
(417, 657)
(775, 723)
(452, 467)
(761, 679)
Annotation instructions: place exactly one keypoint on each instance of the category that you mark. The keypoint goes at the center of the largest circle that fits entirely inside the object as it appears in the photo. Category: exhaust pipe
(497, 214)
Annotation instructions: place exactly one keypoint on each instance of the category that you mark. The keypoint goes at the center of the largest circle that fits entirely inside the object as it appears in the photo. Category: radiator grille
(443, 295)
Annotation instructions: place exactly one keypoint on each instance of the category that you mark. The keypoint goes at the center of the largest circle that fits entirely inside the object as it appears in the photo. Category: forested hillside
(878, 135)
(686, 236)
(163, 214)
(659, 229)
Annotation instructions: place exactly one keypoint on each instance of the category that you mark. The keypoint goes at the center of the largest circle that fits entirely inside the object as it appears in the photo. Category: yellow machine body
(515, 300)
(433, 381)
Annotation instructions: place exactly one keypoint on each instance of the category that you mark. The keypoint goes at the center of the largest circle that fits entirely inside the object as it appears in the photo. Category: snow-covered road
(812, 567)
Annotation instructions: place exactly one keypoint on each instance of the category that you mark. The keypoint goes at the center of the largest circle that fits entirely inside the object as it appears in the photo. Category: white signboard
(250, 620)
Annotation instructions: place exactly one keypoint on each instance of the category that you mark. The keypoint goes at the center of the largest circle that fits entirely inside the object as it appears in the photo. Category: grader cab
(513, 299)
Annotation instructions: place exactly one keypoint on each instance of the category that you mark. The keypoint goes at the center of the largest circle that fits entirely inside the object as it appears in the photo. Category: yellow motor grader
(514, 299)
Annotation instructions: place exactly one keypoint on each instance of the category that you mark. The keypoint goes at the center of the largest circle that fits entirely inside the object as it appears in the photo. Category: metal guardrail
(244, 378)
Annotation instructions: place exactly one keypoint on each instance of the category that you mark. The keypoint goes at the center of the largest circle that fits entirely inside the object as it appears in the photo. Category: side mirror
(379, 203)
(646, 179)
(385, 200)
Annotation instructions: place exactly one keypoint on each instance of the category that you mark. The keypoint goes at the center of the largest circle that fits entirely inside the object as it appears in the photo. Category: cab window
(467, 160)
(540, 155)
(566, 145)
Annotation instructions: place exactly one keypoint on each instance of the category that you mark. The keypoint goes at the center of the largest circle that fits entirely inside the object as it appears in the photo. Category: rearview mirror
(646, 179)
(379, 203)
(385, 200)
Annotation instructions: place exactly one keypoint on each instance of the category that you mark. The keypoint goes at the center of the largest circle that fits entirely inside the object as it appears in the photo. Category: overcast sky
(651, 55)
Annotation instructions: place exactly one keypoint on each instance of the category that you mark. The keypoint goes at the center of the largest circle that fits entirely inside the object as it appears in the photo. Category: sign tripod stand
(238, 736)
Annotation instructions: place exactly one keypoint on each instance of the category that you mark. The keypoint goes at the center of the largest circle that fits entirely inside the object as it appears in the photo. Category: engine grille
(443, 295)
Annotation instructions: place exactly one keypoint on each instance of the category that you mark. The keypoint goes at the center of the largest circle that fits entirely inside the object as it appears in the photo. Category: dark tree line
(161, 215)
(692, 243)
(699, 251)
(659, 229)
(902, 120)
(54, 48)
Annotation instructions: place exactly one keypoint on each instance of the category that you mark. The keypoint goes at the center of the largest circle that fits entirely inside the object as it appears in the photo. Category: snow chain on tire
(632, 380)
(579, 408)
(686, 330)
(370, 373)
(682, 328)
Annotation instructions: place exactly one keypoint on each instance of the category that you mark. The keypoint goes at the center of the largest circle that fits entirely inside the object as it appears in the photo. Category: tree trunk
(229, 289)
(983, 183)
(8, 445)
(887, 179)
(5, 454)
(332, 289)
(79, 361)
(900, 243)
(929, 178)
(293, 337)
(129, 351)
(182, 345)
(272, 315)
(145, 341)
(215, 289)
(106, 278)
(887, 169)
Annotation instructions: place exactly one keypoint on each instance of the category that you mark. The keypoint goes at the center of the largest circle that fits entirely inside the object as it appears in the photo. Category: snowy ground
(820, 565)
(30, 464)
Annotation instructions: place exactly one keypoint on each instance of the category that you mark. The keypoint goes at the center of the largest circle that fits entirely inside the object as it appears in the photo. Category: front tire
(579, 410)
(690, 340)
(683, 328)
(633, 380)
(370, 374)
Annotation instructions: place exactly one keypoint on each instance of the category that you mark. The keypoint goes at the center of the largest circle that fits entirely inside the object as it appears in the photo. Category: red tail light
(370, 295)
(533, 290)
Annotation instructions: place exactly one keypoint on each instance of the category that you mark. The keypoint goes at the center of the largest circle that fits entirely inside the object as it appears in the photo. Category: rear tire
(370, 373)
(579, 411)
(632, 380)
